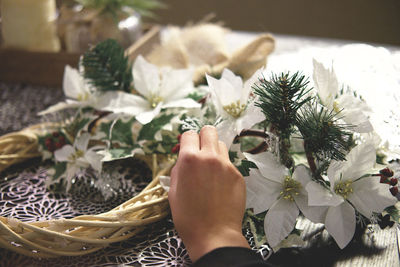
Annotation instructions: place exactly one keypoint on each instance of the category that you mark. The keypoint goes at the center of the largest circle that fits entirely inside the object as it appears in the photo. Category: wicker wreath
(83, 234)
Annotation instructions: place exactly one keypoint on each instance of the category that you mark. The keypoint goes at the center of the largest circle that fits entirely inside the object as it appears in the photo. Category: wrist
(204, 243)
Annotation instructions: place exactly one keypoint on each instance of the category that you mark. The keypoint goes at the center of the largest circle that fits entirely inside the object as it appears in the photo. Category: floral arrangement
(303, 151)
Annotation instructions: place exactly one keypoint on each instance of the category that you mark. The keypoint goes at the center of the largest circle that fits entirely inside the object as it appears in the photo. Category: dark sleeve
(231, 256)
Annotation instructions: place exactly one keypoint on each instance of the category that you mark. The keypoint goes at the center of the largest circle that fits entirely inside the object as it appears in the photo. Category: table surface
(23, 193)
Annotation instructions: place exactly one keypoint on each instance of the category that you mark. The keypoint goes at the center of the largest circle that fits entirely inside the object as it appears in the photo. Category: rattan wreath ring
(83, 234)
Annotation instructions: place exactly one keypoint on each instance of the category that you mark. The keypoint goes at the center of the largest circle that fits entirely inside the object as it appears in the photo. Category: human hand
(207, 195)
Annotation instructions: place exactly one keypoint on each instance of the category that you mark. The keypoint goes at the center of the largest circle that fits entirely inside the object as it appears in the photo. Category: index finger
(190, 142)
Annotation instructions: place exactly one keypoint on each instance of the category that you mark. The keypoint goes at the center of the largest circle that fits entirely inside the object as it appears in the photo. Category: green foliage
(163, 146)
(245, 166)
(256, 225)
(149, 130)
(280, 99)
(394, 213)
(60, 168)
(121, 131)
(323, 135)
(143, 7)
(107, 68)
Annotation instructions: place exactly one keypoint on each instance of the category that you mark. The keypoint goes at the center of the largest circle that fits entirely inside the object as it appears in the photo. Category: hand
(207, 195)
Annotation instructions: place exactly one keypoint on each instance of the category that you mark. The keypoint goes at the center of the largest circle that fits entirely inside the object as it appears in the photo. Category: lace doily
(24, 196)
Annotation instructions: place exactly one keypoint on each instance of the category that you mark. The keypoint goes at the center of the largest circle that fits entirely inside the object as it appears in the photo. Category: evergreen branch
(323, 136)
(280, 100)
(107, 68)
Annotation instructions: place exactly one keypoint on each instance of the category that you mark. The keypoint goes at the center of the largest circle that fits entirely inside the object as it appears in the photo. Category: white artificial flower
(75, 89)
(272, 188)
(350, 188)
(231, 100)
(161, 88)
(79, 157)
(352, 110)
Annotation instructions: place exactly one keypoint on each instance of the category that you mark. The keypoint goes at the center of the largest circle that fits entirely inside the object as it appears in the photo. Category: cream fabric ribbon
(204, 48)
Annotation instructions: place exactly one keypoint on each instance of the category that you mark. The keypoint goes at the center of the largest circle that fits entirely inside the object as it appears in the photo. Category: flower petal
(175, 84)
(359, 161)
(64, 153)
(94, 160)
(268, 165)
(148, 116)
(261, 192)
(236, 81)
(145, 77)
(82, 142)
(73, 84)
(315, 214)
(370, 196)
(326, 83)
(340, 222)
(224, 91)
(182, 103)
(226, 132)
(120, 102)
(280, 221)
(251, 116)
(320, 196)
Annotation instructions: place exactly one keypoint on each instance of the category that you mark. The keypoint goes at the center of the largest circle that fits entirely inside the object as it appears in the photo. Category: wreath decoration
(313, 159)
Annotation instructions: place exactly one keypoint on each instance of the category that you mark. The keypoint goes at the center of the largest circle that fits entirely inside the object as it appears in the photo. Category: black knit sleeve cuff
(231, 256)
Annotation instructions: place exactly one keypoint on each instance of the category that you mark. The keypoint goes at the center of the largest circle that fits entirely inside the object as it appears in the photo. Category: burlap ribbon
(203, 47)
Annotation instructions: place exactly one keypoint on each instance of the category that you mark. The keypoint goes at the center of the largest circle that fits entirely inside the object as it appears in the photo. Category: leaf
(60, 169)
(168, 141)
(394, 213)
(121, 132)
(256, 225)
(149, 130)
(245, 166)
(119, 153)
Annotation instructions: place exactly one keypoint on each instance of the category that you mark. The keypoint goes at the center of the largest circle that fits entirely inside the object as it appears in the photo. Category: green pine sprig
(107, 68)
(280, 99)
(325, 138)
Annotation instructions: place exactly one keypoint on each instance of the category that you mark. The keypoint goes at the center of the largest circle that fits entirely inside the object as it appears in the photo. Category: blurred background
(375, 21)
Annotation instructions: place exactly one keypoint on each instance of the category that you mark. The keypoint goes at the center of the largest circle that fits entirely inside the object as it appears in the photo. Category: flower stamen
(291, 188)
(154, 100)
(78, 154)
(343, 188)
(235, 109)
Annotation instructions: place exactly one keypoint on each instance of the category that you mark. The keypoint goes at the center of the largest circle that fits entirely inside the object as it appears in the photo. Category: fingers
(209, 139)
(190, 142)
(223, 150)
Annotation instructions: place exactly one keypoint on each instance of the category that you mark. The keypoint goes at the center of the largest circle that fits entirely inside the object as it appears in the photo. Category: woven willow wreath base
(83, 234)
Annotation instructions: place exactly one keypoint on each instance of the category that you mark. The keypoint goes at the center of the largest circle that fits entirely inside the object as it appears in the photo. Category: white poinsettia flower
(231, 100)
(160, 88)
(272, 188)
(75, 89)
(352, 110)
(79, 157)
(350, 189)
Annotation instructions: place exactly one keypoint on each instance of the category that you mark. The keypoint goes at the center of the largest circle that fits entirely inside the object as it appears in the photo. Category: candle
(30, 25)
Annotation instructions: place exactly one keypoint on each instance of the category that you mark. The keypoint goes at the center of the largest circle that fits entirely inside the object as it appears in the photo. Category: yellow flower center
(83, 97)
(343, 188)
(291, 188)
(154, 100)
(235, 109)
(78, 154)
(336, 107)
